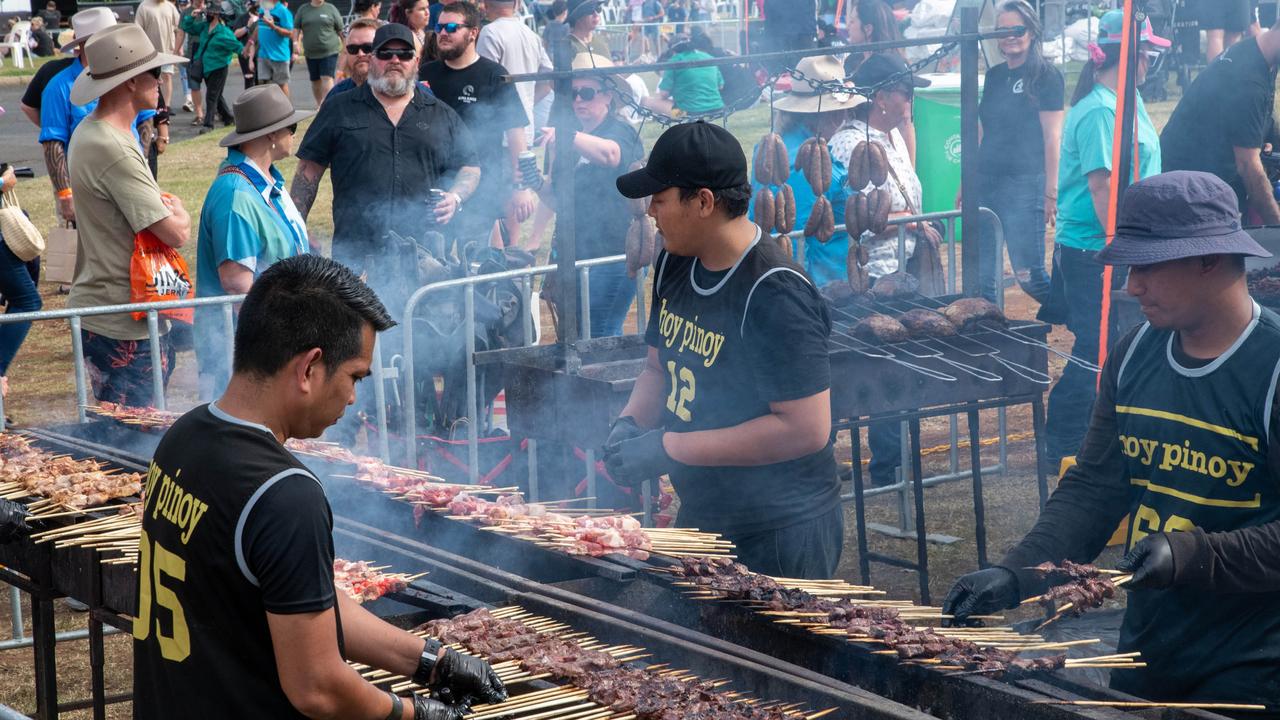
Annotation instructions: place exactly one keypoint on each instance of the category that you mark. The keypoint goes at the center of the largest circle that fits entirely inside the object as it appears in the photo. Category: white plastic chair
(18, 42)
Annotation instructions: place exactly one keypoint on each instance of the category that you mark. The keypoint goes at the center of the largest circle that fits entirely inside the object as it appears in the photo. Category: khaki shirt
(115, 198)
(159, 20)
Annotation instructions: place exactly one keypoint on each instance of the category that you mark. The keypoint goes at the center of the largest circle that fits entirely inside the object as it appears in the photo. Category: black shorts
(1230, 15)
(322, 67)
(121, 370)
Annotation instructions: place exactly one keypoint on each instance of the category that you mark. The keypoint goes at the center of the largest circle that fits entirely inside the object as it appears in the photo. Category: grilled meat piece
(921, 323)
(968, 314)
(837, 293)
(880, 330)
(895, 285)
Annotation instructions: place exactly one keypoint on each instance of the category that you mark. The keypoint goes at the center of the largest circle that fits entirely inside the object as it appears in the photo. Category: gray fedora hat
(1177, 215)
(260, 111)
(112, 57)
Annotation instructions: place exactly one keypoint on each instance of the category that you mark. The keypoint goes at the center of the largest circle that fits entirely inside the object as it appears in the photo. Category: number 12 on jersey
(153, 562)
(683, 388)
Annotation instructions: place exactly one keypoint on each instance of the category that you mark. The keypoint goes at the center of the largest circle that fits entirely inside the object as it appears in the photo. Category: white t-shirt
(159, 20)
(510, 43)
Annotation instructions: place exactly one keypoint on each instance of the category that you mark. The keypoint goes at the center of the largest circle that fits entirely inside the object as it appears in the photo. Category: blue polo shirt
(271, 44)
(1086, 146)
(59, 117)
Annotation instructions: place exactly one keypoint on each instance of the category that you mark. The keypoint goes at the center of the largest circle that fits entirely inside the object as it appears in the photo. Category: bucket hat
(804, 97)
(112, 57)
(579, 9)
(1111, 30)
(262, 110)
(1177, 215)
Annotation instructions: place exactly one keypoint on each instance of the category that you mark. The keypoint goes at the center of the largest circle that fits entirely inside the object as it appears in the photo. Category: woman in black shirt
(1020, 118)
(606, 146)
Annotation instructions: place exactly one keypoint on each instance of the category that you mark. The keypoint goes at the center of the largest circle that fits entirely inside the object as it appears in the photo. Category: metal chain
(622, 91)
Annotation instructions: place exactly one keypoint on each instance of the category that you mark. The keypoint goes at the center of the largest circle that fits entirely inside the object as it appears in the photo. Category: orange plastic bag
(158, 273)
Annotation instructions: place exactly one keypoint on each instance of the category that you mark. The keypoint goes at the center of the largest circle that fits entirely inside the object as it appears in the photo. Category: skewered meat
(969, 314)
(921, 323)
(29, 471)
(362, 583)
(1264, 285)
(1075, 571)
(895, 286)
(880, 329)
(1082, 594)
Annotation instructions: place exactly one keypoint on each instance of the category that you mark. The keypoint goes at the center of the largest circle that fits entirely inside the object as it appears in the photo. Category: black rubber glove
(631, 462)
(622, 429)
(467, 679)
(981, 593)
(1151, 562)
(13, 521)
(425, 708)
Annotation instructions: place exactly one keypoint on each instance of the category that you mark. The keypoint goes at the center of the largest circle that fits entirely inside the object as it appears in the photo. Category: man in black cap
(734, 402)
(1185, 438)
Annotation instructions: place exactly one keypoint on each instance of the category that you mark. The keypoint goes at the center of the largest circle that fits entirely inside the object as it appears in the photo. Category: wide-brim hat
(85, 23)
(262, 110)
(805, 97)
(112, 57)
(588, 60)
(579, 9)
(1178, 215)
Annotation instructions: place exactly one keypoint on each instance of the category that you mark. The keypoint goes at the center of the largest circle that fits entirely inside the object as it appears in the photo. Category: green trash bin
(937, 119)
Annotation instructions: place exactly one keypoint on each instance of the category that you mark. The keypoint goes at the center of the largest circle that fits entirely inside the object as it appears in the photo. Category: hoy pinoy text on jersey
(165, 498)
(1195, 444)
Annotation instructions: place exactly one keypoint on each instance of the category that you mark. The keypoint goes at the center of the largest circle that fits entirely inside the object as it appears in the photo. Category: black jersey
(1196, 442)
(731, 343)
(233, 527)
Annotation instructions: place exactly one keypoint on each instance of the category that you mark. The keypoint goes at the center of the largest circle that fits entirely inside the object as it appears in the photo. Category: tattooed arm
(306, 182)
(466, 182)
(55, 161)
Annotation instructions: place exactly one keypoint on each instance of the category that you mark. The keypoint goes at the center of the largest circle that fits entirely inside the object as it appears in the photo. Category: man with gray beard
(389, 143)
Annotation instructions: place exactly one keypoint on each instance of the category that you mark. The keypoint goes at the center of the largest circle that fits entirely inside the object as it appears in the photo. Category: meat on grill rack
(862, 623)
(968, 314)
(1072, 570)
(880, 329)
(922, 323)
(361, 582)
(1264, 285)
(895, 286)
(646, 694)
(27, 471)
(1086, 587)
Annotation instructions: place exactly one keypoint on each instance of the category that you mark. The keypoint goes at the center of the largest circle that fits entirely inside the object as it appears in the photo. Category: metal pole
(969, 254)
(77, 354)
(591, 479)
(157, 360)
(380, 400)
(473, 429)
(229, 325)
(584, 302)
(533, 470)
(60, 637)
(565, 162)
(15, 613)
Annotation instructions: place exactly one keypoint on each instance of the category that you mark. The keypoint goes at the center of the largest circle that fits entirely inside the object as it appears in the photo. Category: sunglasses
(402, 54)
(450, 28)
(1018, 30)
(586, 94)
(365, 48)
(293, 129)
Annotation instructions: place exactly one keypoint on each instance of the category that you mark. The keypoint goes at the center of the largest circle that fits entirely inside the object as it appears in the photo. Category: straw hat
(804, 98)
(262, 110)
(588, 60)
(84, 24)
(114, 56)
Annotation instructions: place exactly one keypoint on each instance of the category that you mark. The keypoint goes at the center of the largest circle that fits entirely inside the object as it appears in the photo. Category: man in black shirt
(237, 615)
(1225, 118)
(389, 144)
(472, 85)
(31, 96)
(734, 402)
(1185, 438)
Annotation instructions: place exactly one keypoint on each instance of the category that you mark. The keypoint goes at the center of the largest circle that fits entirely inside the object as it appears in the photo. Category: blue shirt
(271, 44)
(825, 262)
(252, 223)
(1086, 146)
(59, 117)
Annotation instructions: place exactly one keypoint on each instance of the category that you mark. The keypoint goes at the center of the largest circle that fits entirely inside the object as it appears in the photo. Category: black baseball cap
(882, 66)
(691, 155)
(392, 31)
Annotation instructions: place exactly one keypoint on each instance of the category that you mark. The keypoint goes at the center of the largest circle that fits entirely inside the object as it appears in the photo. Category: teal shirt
(1086, 146)
(240, 224)
(694, 90)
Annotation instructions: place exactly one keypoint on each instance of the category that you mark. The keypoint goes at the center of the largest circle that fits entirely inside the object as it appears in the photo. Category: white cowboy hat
(588, 60)
(85, 23)
(112, 57)
(805, 98)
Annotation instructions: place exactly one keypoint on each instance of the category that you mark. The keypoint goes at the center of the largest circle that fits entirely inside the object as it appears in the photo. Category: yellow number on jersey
(684, 382)
(1147, 521)
(154, 560)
